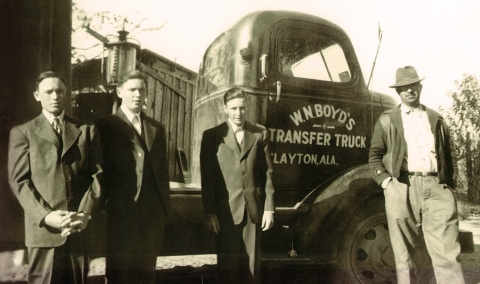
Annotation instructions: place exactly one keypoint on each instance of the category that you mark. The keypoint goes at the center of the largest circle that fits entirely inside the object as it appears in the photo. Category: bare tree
(103, 26)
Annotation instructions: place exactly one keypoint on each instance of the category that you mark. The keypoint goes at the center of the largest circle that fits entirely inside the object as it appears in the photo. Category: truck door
(315, 117)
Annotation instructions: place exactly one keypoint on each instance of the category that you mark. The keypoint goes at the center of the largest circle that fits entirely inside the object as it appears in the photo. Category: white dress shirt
(50, 118)
(421, 155)
(137, 124)
(238, 131)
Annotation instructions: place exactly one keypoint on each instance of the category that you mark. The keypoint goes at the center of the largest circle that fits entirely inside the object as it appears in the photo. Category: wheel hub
(372, 255)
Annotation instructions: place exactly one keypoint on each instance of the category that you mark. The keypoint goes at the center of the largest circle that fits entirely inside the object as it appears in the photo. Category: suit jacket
(43, 171)
(126, 156)
(388, 147)
(234, 178)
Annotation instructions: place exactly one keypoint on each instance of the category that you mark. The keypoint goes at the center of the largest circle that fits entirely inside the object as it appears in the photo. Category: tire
(365, 254)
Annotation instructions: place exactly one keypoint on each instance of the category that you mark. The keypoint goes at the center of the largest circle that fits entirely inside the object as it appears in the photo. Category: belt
(421, 174)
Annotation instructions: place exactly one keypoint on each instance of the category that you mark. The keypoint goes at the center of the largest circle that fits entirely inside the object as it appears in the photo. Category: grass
(467, 208)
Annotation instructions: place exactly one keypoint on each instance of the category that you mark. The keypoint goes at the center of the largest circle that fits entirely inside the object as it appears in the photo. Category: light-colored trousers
(419, 207)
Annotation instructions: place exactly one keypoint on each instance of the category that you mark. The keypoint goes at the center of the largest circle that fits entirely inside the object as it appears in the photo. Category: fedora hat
(406, 76)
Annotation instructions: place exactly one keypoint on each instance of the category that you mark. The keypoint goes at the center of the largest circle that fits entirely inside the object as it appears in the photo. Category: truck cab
(304, 83)
(305, 86)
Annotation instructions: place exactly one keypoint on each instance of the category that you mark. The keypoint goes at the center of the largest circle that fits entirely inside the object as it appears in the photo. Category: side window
(308, 54)
(217, 65)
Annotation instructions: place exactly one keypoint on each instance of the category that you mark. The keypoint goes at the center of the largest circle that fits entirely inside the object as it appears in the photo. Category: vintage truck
(305, 84)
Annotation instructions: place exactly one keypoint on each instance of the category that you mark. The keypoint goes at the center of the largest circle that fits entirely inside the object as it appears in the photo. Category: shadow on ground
(201, 270)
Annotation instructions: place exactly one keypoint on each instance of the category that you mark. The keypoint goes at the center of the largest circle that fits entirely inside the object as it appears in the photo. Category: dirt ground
(201, 268)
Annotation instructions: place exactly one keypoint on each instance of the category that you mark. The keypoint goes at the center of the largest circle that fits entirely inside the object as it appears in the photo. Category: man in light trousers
(413, 158)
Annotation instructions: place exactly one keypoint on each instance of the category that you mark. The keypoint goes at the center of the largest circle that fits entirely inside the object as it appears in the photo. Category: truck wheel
(365, 254)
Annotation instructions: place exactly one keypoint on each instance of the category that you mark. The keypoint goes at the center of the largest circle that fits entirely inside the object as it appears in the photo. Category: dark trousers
(63, 264)
(238, 253)
(132, 249)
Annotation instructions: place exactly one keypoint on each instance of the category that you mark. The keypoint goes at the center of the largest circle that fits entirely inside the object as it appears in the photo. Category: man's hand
(66, 221)
(55, 219)
(267, 220)
(385, 182)
(75, 224)
(212, 224)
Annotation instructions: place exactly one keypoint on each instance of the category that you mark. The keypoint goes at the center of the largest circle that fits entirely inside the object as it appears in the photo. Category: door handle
(278, 84)
(263, 64)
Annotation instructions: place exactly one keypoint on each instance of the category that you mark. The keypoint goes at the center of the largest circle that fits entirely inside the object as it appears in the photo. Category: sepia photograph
(240, 142)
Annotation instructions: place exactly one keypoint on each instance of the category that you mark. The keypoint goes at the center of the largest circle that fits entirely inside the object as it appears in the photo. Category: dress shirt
(420, 140)
(50, 118)
(238, 131)
(130, 116)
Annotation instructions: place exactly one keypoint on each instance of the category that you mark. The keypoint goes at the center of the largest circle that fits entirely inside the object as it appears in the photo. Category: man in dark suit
(237, 190)
(136, 185)
(55, 172)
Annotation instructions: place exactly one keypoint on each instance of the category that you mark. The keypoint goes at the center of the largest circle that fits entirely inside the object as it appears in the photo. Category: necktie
(137, 125)
(56, 125)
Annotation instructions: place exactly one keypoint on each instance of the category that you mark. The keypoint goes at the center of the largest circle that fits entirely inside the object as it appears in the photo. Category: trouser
(132, 249)
(59, 264)
(419, 206)
(238, 253)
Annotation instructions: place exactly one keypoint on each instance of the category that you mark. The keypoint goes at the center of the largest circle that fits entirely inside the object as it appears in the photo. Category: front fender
(332, 204)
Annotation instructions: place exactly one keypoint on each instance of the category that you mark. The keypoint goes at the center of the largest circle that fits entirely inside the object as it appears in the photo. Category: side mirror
(183, 165)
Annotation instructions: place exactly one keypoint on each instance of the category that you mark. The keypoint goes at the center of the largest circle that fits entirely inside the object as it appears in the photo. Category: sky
(440, 38)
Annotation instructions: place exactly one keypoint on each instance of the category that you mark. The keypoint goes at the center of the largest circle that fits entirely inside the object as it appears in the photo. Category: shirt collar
(235, 127)
(129, 114)
(50, 116)
(407, 109)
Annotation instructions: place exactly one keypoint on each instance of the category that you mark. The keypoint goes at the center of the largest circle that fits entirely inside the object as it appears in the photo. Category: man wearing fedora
(413, 159)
